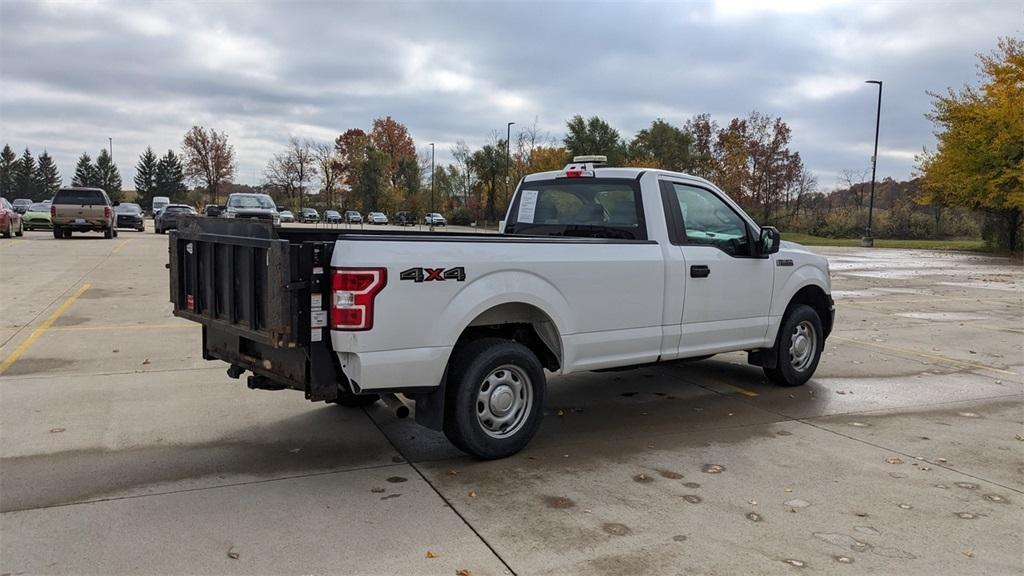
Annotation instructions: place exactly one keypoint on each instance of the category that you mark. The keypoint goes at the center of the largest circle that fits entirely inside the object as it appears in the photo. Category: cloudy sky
(73, 74)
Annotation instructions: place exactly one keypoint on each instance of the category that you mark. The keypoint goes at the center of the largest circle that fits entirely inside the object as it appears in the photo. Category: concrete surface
(122, 451)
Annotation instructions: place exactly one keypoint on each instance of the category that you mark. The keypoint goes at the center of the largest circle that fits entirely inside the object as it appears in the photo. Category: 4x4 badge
(434, 274)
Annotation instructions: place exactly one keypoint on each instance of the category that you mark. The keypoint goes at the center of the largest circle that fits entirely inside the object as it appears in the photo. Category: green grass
(808, 240)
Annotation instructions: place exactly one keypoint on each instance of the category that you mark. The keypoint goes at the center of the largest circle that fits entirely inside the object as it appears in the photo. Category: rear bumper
(37, 224)
(395, 370)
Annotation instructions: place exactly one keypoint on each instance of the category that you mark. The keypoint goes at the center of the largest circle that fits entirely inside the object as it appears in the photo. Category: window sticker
(527, 206)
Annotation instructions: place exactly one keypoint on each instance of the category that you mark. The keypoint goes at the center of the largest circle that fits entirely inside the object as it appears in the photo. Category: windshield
(128, 209)
(39, 207)
(251, 202)
(173, 209)
(579, 207)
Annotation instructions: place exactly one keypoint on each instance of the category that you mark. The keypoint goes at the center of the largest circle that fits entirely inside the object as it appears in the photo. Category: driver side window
(707, 220)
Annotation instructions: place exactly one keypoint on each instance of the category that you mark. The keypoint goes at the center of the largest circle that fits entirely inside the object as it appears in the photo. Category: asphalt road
(122, 451)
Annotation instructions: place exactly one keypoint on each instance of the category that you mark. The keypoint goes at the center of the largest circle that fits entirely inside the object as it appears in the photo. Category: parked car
(405, 219)
(377, 218)
(588, 274)
(168, 218)
(434, 219)
(332, 217)
(253, 207)
(158, 204)
(10, 220)
(213, 210)
(353, 217)
(21, 205)
(80, 209)
(286, 216)
(309, 215)
(37, 217)
(130, 216)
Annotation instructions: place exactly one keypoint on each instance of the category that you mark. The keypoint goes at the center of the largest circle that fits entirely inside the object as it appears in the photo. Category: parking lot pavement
(122, 451)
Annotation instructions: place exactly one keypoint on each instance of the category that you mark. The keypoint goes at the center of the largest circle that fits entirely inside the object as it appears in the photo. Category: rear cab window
(579, 207)
(80, 197)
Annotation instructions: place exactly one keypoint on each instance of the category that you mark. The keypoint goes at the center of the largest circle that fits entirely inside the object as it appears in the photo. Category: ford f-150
(595, 268)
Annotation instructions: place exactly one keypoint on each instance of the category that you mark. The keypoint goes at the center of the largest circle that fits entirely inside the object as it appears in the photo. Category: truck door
(727, 287)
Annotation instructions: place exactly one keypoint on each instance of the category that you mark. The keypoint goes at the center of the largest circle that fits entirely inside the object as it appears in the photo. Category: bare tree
(854, 180)
(328, 168)
(290, 171)
(209, 159)
(463, 157)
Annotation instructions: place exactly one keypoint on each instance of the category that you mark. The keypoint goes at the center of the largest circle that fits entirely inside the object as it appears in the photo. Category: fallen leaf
(893, 460)
(431, 554)
(376, 490)
(561, 413)
(472, 494)
(463, 572)
(232, 553)
(968, 553)
(452, 472)
(145, 362)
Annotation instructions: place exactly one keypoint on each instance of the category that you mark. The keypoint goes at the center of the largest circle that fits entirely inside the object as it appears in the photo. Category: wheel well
(522, 323)
(816, 298)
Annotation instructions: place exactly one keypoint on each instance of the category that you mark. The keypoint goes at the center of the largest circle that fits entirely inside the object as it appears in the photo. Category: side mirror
(769, 241)
(116, 203)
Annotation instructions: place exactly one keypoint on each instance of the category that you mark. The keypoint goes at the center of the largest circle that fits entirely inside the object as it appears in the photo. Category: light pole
(868, 241)
(508, 144)
(431, 186)
(110, 145)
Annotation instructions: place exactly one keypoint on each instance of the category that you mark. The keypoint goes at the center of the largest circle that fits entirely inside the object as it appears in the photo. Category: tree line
(25, 177)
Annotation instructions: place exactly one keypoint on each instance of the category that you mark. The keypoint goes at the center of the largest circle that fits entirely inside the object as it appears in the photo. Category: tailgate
(260, 298)
(236, 275)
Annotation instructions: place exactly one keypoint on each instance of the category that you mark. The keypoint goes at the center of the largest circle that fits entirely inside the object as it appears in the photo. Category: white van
(159, 202)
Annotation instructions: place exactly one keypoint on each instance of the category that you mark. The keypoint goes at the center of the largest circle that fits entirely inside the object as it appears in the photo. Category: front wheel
(21, 228)
(496, 396)
(800, 343)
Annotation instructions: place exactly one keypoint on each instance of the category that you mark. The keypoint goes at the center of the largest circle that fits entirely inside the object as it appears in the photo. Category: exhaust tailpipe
(397, 404)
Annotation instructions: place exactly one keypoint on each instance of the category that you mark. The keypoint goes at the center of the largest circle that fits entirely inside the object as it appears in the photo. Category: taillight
(352, 294)
(107, 211)
(53, 211)
(573, 173)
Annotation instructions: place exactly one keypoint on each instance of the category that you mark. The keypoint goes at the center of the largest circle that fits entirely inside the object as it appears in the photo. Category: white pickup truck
(596, 268)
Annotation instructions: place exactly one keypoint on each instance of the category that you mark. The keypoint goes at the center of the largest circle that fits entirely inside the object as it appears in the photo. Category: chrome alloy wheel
(803, 345)
(503, 401)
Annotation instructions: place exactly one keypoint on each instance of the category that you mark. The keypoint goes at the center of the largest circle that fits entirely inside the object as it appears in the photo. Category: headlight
(230, 214)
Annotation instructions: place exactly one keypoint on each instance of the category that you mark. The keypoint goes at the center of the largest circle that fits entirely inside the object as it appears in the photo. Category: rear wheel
(108, 233)
(67, 232)
(496, 396)
(800, 343)
(21, 229)
(57, 232)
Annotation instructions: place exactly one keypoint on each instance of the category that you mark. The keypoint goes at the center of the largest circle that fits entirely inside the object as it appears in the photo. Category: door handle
(700, 271)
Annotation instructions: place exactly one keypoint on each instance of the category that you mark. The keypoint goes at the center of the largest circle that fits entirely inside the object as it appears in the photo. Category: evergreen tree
(85, 172)
(170, 177)
(107, 175)
(8, 167)
(145, 177)
(24, 176)
(47, 178)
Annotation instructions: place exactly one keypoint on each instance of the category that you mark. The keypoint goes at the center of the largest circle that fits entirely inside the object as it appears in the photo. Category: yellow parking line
(744, 391)
(946, 359)
(121, 327)
(121, 245)
(24, 346)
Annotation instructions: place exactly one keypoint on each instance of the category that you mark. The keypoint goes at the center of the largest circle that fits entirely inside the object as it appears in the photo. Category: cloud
(74, 74)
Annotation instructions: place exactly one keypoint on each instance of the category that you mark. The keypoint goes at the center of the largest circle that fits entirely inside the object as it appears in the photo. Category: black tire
(57, 232)
(108, 233)
(21, 229)
(473, 367)
(10, 229)
(67, 232)
(350, 400)
(801, 317)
